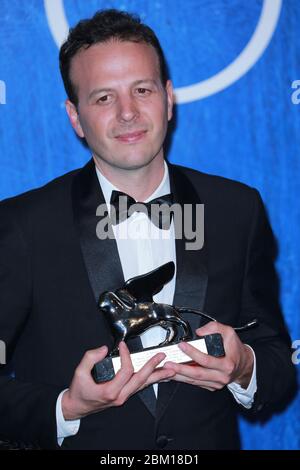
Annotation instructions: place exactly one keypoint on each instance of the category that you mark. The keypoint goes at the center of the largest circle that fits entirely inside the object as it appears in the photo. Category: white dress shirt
(143, 247)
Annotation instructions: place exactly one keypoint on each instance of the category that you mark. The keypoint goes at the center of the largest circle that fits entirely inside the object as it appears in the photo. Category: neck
(138, 183)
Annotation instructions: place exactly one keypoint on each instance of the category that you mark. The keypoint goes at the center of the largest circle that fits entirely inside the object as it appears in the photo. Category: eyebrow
(107, 90)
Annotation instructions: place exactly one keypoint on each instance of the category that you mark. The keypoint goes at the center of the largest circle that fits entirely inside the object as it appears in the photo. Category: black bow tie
(158, 210)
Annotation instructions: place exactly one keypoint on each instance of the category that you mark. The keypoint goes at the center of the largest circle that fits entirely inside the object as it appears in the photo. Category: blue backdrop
(244, 123)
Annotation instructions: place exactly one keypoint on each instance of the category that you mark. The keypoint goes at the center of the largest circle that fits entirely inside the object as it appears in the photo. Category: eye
(104, 99)
(143, 91)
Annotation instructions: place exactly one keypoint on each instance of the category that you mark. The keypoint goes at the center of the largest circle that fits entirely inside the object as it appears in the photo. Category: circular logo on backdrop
(256, 46)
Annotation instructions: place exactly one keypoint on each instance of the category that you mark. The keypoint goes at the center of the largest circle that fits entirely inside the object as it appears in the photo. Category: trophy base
(106, 369)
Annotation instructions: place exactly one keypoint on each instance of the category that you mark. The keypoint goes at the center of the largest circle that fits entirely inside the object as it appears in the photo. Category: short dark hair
(102, 27)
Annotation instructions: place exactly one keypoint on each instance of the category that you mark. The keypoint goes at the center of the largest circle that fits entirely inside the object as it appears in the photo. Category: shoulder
(219, 190)
(210, 182)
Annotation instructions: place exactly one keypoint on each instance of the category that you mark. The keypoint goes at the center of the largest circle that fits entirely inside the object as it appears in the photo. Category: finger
(126, 371)
(115, 389)
(125, 357)
(160, 375)
(202, 359)
(91, 357)
(209, 328)
(195, 372)
(208, 384)
(145, 372)
(140, 378)
(214, 327)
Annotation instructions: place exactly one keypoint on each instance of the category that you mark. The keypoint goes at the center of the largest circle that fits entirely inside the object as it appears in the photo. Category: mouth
(131, 137)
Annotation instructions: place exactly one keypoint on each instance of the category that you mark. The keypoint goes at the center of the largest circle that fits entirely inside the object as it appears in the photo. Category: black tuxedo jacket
(52, 270)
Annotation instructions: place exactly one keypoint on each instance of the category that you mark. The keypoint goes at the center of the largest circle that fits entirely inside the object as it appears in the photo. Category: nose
(128, 110)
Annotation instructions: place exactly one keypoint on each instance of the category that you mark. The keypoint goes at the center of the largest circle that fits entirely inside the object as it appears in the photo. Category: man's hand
(85, 396)
(213, 373)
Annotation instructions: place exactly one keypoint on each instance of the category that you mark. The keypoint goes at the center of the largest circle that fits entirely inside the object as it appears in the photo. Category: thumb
(91, 357)
(208, 329)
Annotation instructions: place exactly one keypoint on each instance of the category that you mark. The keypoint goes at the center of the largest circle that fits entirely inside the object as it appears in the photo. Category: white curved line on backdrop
(259, 41)
(248, 57)
(57, 20)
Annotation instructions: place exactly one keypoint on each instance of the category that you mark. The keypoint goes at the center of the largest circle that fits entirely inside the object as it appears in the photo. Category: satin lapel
(101, 257)
(191, 274)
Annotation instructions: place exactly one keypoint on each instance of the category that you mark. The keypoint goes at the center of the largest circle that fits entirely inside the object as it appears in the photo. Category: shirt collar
(162, 189)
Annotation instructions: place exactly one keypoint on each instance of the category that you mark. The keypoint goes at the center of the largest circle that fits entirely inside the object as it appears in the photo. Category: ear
(74, 118)
(170, 99)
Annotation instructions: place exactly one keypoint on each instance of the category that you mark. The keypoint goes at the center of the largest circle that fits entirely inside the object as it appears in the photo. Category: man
(54, 267)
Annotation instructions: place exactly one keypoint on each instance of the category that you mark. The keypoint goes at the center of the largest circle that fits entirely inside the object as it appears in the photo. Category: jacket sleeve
(270, 341)
(27, 410)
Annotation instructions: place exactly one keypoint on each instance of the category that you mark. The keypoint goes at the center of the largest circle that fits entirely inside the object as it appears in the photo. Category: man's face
(123, 107)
